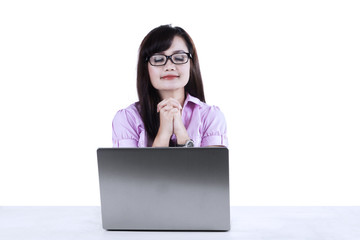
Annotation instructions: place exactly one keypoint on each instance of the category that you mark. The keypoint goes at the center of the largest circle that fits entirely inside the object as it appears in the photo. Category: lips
(169, 77)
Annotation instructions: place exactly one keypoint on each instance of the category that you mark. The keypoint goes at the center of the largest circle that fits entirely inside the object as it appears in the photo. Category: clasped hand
(170, 111)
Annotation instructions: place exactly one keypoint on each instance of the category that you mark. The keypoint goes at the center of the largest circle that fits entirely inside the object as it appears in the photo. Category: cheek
(154, 75)
(152, 72)
(185, 71)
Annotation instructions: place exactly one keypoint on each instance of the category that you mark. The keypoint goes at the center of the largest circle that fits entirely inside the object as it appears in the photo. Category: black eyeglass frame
(169, 57)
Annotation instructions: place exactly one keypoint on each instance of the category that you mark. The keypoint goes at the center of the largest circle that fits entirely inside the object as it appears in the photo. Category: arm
(214, 132)
(124, 129)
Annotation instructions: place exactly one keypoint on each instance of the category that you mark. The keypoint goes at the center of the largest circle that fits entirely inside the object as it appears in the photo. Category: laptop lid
(164, 188)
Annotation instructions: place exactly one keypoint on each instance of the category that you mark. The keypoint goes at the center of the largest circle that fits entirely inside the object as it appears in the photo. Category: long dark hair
(158, 40)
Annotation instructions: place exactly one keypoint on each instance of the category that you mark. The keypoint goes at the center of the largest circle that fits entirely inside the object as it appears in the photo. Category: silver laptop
(164, 188)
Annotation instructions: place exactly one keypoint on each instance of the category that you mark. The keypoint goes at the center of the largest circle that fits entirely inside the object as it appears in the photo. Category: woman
(171, 110)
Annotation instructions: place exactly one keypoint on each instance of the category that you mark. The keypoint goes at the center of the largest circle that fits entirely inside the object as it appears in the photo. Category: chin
(171, 86)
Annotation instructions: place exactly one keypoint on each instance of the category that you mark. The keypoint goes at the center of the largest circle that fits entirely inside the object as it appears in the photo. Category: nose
(169, 65)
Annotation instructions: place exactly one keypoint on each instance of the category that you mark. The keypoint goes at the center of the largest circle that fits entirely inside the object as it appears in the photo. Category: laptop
(164, 188)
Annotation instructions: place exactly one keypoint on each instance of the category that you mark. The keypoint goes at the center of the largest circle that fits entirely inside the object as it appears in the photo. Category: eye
(158, 58)
(180, 57)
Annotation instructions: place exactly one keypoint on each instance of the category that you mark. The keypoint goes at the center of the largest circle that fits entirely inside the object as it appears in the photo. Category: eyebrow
(176, 51)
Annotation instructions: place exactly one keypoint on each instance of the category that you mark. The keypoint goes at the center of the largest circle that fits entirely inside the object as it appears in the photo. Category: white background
(286, 74)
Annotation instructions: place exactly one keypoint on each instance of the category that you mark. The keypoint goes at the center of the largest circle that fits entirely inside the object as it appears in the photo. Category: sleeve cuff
(214, 140)
(126, 143)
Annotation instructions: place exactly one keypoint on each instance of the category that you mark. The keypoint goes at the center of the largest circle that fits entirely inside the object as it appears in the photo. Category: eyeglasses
(176, 58)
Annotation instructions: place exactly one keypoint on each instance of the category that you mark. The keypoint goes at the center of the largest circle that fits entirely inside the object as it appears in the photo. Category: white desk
(248, 223)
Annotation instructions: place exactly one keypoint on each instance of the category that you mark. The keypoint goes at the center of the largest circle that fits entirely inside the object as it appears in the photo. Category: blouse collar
(192, 99)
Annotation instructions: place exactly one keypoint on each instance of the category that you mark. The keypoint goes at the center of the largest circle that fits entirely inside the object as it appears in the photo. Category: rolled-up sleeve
(124, 130)
(214, 128)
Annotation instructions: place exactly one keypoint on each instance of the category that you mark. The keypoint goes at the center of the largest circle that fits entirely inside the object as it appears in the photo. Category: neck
(177, 94)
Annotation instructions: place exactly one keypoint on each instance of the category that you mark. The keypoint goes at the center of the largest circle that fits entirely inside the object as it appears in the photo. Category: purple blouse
(205, 125)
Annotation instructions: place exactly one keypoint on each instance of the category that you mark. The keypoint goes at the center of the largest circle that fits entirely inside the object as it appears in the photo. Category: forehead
(178, 45)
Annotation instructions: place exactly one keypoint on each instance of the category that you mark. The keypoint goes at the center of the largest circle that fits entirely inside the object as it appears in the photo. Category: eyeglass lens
(177, 58)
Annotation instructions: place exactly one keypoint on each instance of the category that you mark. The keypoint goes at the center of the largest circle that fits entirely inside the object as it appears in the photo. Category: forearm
(161, 140)
(180, 131)
(182, 136)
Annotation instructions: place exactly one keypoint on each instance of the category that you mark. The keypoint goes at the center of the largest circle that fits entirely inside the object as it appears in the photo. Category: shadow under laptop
(159, 231)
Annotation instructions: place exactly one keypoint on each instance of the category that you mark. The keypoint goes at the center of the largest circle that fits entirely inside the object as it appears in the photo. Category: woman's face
(171, 77)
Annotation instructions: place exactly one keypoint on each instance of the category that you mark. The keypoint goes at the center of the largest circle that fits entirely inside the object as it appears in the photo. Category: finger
(175, 103)
(169, 106)
(177, 114)
(166, 109)
(174, 110)
(162, 104)
(169, 101)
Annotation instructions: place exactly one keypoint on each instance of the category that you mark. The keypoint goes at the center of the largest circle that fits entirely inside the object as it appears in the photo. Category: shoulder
(130, 113)
(207, 112)
(211, 113)
(128, 116)
(210, 110)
